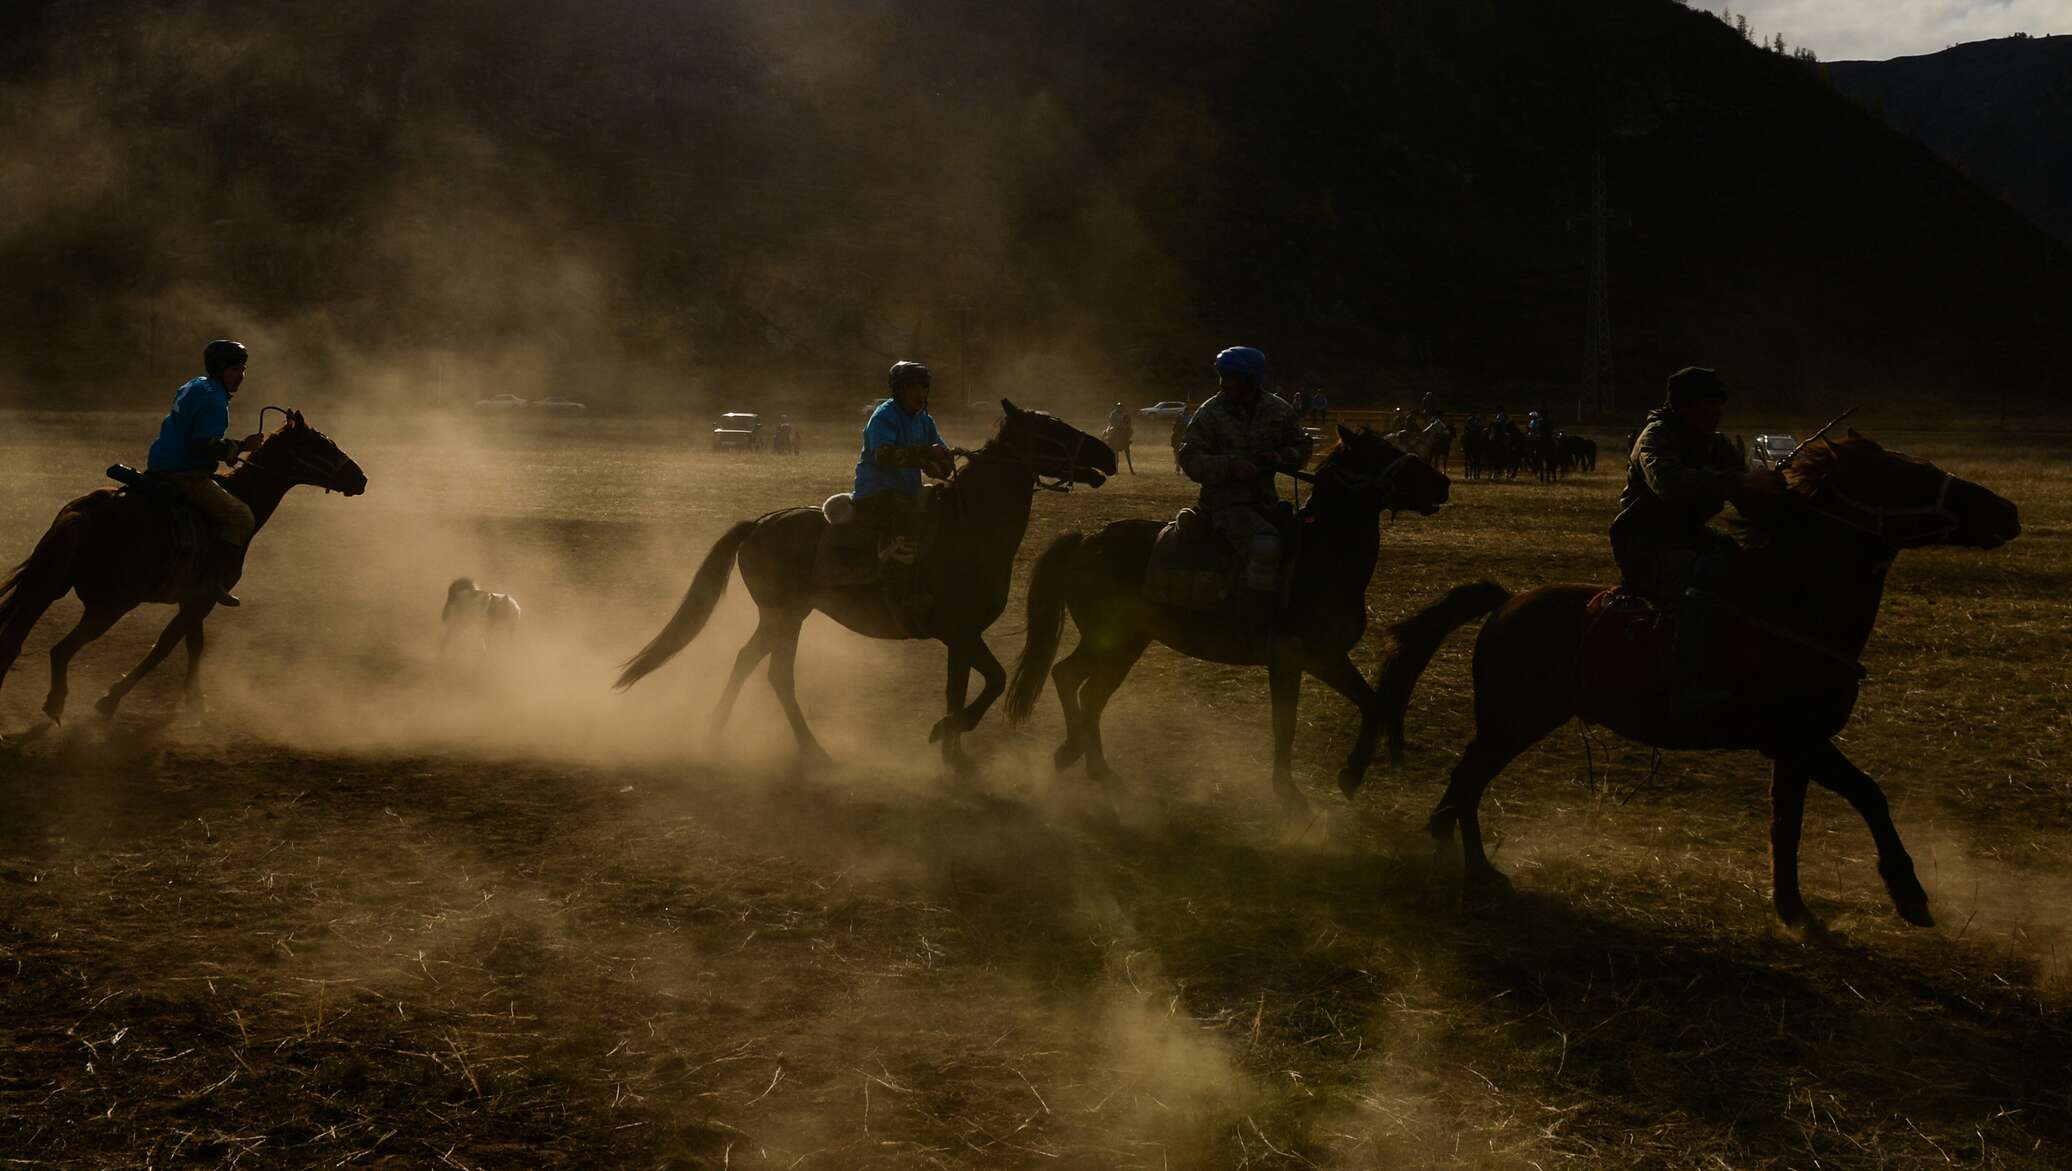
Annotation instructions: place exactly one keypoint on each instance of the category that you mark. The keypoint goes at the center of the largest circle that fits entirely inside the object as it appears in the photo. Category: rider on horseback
(190, 444)
(899, 443)
(1680, 474)
(1238, 440)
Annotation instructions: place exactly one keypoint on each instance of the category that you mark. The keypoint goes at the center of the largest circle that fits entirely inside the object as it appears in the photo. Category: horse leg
(784, 650)
(1788, 776)
(92, 625)
(1479, 764)
(167, 639)
(1339, 674)
(1068, 676)
(960, 717)
(1284, 683)
(190, 694)
(1100, 686)
(948, 728)
(1833, 771)
(752, 652)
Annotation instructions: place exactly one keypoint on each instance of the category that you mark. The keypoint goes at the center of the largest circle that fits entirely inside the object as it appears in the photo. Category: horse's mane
(1807, 473)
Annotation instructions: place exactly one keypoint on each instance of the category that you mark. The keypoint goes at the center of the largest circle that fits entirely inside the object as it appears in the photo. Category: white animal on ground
(477, 617)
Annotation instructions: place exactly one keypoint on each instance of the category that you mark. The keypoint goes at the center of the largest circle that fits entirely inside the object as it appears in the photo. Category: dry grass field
(374, 911)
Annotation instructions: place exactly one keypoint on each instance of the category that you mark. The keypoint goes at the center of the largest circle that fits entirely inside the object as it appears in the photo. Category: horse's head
(1377, 474)
(301, 454)
(1052, 447)
(1902, 501)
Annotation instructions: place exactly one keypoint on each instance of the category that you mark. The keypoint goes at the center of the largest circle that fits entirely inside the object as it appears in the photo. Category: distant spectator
(1319, 404)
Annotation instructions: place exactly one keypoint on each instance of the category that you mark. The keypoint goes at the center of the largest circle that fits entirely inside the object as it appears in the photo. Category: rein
(1058, 482)
(1881, 515)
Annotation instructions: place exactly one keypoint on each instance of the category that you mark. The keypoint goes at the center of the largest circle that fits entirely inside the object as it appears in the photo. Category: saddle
(192, 533)
(855, 554)
(1626, 651)
(1193, 568)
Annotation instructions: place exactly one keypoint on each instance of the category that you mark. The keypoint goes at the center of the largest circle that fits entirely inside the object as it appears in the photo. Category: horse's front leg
(1284, 681)
(1787, 817)
(167, 639)
(1833, 771)
(993, 681)
(950, 728)
(1338, 673)
(191, 695)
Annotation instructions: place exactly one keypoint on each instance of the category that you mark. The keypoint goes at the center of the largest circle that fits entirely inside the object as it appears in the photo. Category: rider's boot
(896, 569)
(230, 566)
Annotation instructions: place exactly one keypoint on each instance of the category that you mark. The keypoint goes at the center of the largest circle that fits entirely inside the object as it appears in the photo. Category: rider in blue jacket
(191, 443)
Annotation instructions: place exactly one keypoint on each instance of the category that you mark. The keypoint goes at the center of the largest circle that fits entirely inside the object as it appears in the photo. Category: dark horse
(1100, 578)
(118, 551)
(1806, 593)
(983, 512)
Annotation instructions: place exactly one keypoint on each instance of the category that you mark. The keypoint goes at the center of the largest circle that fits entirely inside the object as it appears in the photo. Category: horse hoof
(106, 706)
(1350, 779)
(56, 712)
(1065, 757)
(1915, 913)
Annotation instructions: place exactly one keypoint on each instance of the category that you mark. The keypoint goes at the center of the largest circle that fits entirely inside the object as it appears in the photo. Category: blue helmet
(1244, 361)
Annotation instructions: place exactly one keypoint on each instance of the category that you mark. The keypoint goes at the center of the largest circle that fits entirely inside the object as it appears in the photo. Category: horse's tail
(1417, 640)
(1046, 623)
(692, 613)
(45, 574)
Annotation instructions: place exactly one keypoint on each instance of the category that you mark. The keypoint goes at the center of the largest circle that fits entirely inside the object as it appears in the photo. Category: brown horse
(119, 550)
(983, 512)
(1100, 578)
(1805, 592)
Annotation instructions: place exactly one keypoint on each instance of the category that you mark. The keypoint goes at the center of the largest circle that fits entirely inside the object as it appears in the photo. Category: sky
(1870, 30)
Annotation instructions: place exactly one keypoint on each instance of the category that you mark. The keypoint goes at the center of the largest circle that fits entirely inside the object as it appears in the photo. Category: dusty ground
(372, 911)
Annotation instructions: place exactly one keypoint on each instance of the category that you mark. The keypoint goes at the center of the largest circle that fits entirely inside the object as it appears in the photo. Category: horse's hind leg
(167, 640)
(1479, 764)
(752, 652)
(92, 625)
(1107, 675)
(784, 650)
(1284, 683)
(1068, 676)
(190, 693)
(1834, 771)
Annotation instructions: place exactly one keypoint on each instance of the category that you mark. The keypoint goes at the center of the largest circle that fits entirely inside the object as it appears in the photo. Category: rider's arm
(1198, 459)
(1673, 480)
(1295, 444)
(207, 418)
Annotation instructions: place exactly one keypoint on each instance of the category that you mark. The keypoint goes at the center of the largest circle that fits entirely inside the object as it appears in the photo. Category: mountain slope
(1079, 198)
(2000, 110)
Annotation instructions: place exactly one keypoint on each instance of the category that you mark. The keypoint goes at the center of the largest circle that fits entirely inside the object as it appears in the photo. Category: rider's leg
(234, 524)
(1259, 543)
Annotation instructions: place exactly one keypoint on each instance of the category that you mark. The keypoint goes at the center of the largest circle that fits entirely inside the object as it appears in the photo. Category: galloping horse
(118, 551)
(983, 510)
(1806, 592)
(1100, 578)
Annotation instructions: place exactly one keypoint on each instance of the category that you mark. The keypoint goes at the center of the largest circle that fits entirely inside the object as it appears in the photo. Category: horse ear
(1345, 434)
(1009, 407)
(295, 417)
(1855, 434)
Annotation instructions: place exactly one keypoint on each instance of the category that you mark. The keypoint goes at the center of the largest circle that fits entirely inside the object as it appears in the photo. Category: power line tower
(1595, 402)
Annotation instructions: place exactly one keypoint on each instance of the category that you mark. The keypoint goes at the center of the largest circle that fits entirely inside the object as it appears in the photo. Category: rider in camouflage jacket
(1233, 448)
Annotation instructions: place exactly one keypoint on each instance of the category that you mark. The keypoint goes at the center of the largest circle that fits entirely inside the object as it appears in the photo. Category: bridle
(1009, 452)
(1944, 520)
(1383, 481)
(308, 466)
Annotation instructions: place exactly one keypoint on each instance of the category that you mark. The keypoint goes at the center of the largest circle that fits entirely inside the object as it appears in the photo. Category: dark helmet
(905, 374)
(1694, 384)
(222, 354)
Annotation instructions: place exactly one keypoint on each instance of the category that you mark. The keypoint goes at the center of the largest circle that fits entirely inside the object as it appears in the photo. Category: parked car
(738, 431)
(502, 402)
(1164, 412)
(1768, 449)
(556, 404)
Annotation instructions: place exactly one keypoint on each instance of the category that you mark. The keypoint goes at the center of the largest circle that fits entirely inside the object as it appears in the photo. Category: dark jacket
(1677, 479)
